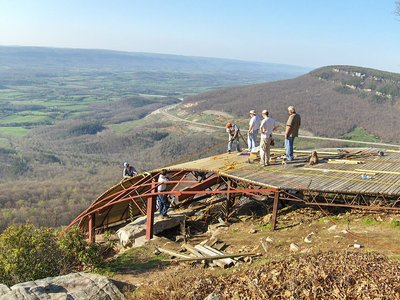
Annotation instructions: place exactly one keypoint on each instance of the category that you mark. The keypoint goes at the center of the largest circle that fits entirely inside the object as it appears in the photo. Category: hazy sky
(300, 32)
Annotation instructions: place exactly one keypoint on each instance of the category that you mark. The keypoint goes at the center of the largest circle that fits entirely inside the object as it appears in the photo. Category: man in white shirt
(268, 125)
(162, 199)
(254, 125)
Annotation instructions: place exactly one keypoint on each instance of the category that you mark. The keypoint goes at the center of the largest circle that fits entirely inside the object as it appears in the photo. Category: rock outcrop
(79, 286)
(134, 233)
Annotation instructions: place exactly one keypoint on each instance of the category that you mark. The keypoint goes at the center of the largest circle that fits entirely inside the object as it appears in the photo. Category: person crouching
(233, 135)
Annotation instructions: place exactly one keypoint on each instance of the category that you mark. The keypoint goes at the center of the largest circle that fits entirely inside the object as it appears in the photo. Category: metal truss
(359, 201)
(137, 196)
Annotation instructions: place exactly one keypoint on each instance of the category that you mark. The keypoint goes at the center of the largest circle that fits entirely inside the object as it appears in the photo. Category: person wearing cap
(233, 135)
(268, 125)
(292, 130)
(129, 171)
(254, 125)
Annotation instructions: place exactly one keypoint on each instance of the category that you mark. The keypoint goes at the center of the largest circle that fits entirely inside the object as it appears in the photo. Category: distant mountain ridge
(332, 100)
(45, 58)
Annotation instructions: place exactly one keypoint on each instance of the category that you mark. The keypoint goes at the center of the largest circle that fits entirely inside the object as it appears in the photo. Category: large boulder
(134, 233)
(4, 289)
(80, 286)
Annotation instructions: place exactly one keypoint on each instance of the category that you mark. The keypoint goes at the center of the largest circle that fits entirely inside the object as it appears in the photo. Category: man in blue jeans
(162, 199)
(292, 130)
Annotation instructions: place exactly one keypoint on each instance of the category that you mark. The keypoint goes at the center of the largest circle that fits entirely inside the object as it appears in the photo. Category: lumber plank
(220, 261)
(172, 253)
(228, 260)
(192, 250)
(214, 257)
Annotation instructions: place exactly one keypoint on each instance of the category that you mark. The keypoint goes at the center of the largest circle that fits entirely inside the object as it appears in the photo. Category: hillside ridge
(332, 100)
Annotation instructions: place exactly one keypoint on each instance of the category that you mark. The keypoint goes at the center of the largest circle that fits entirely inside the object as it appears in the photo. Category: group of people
(265, 127)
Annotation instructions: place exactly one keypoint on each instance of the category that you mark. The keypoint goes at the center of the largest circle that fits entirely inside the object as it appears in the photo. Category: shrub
(369, 221)
(78, 254)
(28, 253)
(395, 223)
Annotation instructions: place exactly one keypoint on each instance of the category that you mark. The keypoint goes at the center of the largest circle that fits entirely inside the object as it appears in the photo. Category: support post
(228, 201)
(151, 207)
(275, 210)
(92, 235)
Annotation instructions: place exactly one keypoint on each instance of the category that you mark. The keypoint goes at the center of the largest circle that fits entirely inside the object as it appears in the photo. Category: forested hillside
(332, 100)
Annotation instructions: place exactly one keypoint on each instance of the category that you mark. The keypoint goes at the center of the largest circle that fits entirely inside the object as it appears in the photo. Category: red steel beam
(275, 210)
(92, 235)
(95, 206)
(200, 186)
(177, 193)
(151, 205)
(79, 217)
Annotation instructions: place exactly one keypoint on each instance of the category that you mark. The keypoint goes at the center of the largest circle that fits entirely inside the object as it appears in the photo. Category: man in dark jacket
(292, 130)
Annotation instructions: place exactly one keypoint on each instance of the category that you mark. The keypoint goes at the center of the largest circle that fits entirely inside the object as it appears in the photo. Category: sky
(311, 33)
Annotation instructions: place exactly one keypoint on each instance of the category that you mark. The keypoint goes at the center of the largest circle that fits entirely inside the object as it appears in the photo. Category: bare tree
(397, 11)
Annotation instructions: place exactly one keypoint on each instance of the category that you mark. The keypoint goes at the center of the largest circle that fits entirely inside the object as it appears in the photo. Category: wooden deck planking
(294, 177)
(393, 189)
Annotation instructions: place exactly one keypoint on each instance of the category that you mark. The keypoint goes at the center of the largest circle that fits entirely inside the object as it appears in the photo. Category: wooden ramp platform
(359, 171)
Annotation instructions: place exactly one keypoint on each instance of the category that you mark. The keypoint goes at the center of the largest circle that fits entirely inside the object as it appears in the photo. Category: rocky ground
(314, 254)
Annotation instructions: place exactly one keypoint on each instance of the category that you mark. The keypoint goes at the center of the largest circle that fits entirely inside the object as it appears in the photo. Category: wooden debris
(197, 254)
(192, 250)
(265, 247)
(217, 257)
(172, 253)
(219, 245)
(229, 260)
(345, 161)
(223, 263)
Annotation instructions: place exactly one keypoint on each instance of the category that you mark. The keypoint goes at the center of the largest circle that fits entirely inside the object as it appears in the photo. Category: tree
(397, 8)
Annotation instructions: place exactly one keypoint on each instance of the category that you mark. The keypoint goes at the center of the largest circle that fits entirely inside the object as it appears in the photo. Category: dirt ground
(306, 232)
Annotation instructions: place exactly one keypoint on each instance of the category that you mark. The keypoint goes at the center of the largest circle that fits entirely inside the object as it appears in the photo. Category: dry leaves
(329, 275)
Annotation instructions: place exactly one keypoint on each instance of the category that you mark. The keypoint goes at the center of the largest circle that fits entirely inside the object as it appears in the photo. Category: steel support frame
(151, 207)
(358, 201)
(185, 189)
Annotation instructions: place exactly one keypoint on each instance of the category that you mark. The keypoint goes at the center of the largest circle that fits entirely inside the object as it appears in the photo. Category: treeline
(62, 173)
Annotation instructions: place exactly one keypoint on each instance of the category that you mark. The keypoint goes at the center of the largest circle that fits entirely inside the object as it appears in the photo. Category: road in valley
(165, 112)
